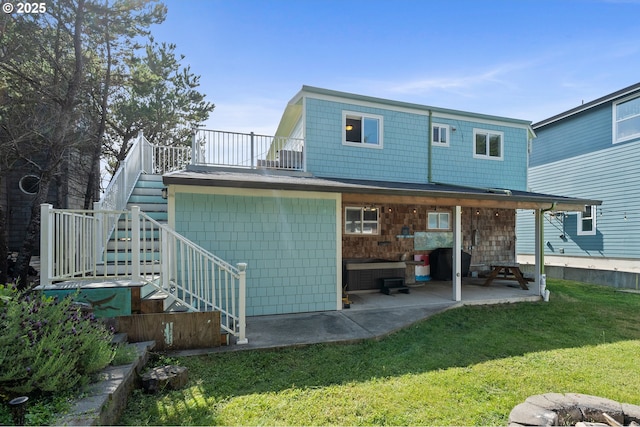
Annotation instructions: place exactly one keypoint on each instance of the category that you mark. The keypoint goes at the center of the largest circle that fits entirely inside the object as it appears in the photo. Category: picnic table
(510, 271)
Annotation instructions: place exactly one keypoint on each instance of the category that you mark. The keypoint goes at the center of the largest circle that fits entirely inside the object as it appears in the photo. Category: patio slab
(371, 315)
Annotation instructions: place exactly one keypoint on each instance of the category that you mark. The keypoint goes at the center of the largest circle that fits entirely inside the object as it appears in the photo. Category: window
(361, 220)
(587, 221)
(440, 135)
(487, 144)
(626, 120)
(438, 221)
(362, 129)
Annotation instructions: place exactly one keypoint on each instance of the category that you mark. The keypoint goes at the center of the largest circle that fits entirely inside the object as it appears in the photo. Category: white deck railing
(144, 251)
(247, 150)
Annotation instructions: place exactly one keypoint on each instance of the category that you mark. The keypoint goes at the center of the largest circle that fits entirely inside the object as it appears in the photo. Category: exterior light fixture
(165, 192)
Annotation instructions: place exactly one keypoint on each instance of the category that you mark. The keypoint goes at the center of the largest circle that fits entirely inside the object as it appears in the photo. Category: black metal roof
(604, 99)
(271, 180)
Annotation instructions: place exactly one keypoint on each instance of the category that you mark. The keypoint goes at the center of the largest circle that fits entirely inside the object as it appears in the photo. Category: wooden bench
(510, 272)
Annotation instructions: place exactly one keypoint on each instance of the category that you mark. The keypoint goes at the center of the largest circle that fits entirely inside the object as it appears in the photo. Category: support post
(135, 245)
(539, 249)
(457, 253)
(46, 244)
(242, 302)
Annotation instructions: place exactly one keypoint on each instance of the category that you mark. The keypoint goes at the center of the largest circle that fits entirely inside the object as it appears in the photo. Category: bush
(48, 345)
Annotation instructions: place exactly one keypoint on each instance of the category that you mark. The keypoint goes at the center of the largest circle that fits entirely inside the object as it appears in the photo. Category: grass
(467, 366)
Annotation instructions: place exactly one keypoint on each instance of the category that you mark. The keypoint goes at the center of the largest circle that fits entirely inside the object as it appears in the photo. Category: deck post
(46, 244)
(252, 149)
(165, 259)
(135, 244)
(242, 298)
(539, 249)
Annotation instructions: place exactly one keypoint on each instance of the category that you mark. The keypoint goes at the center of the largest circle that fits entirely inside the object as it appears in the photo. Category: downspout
(429, 177)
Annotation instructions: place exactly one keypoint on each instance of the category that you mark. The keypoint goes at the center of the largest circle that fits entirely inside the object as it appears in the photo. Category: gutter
(504, 191)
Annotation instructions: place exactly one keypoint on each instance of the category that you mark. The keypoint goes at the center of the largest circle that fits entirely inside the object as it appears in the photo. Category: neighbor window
(361, 220)
(487, 144)
(438, 221)
(362, 129)
(587, 221)
(440, 135)
(29, 184)
(626, 120)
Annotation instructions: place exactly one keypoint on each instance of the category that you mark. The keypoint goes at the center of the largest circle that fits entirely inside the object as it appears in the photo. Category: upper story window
(362, 129)
(438, 221)
(626, 120)
(361, 220)
(488, 144)
(440, 135)
(587, 221)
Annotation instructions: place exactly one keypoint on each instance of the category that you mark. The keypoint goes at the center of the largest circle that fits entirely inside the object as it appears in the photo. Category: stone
(532, 415)
(631, 413)
(170, 377)
(592, 408)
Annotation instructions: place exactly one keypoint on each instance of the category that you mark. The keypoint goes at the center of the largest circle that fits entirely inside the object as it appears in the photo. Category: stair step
(145, 182)
(137, 199)
(111, 269)
(119, 338)
(147, 191)
(177, 307)
(124, 244)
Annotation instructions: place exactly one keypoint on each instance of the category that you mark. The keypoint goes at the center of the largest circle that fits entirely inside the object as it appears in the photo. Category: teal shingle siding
(289, 245)
(405, 153)
(402, 159)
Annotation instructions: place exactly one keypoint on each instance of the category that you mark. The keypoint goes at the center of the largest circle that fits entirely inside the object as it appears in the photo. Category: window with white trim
(438, 221)
(440, 135)
(487, 144)
(361, 220)
(587, 221)
(626, 120)
(362, 129)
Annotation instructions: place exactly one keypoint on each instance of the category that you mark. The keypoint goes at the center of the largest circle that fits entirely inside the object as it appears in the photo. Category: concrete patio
(371, 315)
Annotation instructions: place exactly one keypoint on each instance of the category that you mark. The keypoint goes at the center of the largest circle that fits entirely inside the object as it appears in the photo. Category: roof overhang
(365, 191)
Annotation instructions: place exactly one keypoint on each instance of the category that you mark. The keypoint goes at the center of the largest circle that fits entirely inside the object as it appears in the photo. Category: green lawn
(467, 366)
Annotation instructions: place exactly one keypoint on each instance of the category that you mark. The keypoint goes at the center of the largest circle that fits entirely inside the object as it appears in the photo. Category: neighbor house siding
(289, 240)
(609, 175)
(582, 133)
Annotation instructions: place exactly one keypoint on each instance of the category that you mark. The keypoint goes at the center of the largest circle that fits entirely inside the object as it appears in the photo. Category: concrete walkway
(372, 315)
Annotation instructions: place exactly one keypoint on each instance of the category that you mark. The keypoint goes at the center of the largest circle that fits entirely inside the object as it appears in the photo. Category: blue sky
(525, 59)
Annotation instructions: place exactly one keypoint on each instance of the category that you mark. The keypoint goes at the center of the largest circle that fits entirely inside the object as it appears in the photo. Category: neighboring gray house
(591, 151)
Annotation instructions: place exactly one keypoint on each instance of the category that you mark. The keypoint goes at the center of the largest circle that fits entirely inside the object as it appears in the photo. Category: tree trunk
(56, 153)
(93, 186)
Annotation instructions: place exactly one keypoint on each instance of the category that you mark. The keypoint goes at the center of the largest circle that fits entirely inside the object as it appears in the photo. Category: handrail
(247, 150)
(144, 251)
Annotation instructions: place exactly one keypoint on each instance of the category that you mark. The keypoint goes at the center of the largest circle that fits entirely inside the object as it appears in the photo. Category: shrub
(48, 345)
